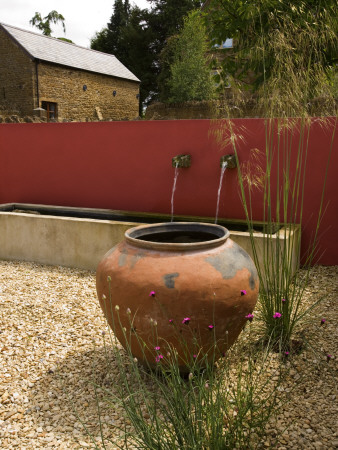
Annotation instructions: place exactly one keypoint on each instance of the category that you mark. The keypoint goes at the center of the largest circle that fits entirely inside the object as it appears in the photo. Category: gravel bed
(51, 353)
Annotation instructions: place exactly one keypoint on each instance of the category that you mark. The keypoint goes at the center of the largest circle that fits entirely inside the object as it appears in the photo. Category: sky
(83, 18)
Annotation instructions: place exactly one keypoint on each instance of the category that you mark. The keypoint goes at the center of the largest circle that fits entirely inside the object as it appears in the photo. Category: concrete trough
(79, 237)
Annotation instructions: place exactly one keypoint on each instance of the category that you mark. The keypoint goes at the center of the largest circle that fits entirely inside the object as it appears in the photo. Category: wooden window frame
(51, 113)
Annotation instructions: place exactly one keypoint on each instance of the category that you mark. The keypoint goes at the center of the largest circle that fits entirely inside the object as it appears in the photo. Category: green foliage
(166, 20)
(333, 77)
(44, 24)
(65, 40)
(285, 51)
(282, 49)
(216, 405)
(190, 73)
(116, 27)
(166, 60)
(136, 37)
(99, 41)
(128, 37)
(279, 171)
(167, 17)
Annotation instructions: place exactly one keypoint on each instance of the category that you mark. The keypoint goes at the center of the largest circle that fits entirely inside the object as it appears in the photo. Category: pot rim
(134, 235)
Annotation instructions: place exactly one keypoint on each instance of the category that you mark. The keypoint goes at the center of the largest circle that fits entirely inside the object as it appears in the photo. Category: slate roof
(54, 50)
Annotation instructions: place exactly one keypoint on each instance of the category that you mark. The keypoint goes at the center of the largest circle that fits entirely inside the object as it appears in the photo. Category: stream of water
(223, 169)
(224, 166)
(173, 193)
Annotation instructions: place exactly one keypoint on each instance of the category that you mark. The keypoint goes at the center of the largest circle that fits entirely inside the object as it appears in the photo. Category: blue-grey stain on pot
(169, 280)
(237, 259)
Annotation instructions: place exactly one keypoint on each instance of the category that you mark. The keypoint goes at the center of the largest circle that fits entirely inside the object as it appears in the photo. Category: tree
(283, 47)
(167, 16)
(110, 39)
(44, 24)
(129, 38)
(116, 28)
(100, 41)
(136, 37)
(166, 20)
(190, 72)
(167, 57)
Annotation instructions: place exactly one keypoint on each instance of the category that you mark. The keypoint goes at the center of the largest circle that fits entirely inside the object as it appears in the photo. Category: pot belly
(170, 299)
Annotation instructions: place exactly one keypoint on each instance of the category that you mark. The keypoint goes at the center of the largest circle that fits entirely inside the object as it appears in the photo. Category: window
(226, 44)
(51, 109)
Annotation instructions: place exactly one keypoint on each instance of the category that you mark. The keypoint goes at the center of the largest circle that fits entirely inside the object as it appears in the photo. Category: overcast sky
(82, 17)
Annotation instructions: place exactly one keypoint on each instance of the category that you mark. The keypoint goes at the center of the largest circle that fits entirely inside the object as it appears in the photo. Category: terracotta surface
(202, 281)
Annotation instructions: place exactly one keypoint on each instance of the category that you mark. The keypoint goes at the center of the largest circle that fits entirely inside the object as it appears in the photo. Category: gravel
(51, 355)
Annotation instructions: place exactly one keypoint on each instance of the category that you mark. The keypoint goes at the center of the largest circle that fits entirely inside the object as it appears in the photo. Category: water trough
(79, 237)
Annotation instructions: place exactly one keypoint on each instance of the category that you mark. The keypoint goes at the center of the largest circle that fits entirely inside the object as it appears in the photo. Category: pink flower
(210, 327)
(249, 317)
(283, 300)
(328, 357)
(194, 356)
(171, 320)
(186, 320)
(158, 358)
(152, 294)
(322, 321)
(277, 315)
(243, 292)
(286, 353)
(157, 348)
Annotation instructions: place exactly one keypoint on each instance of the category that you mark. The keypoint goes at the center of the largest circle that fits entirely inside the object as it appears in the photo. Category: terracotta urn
(177, 286)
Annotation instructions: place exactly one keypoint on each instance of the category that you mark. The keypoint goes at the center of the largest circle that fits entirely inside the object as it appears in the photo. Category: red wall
(127, 166)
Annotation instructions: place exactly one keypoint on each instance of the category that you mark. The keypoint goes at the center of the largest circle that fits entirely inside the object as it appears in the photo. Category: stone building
(68, 81)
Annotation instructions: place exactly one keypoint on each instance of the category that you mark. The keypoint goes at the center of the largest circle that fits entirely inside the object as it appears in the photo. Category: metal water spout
(181, 161)
(229, 161)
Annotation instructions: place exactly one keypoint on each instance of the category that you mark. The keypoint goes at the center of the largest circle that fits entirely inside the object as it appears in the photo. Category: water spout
(224, 165)
(181, 161)
(230, 160)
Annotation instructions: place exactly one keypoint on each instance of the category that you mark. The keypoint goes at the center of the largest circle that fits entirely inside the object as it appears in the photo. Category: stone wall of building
(61, 85)
(87, 96)
(229, 107)
(16, 78)
(188, 110)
